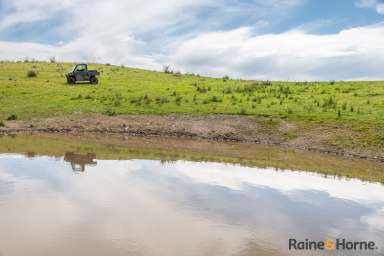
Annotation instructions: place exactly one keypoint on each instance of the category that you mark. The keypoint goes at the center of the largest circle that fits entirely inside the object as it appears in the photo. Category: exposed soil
(212, 127)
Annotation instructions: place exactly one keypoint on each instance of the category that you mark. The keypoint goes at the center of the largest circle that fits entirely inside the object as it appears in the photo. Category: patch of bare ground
(219, 127)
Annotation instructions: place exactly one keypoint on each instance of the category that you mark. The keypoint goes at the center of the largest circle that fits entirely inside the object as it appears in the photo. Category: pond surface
(77, 204)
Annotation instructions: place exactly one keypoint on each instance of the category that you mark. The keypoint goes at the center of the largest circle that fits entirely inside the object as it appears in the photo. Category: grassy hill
(132, 91)
(357, 107)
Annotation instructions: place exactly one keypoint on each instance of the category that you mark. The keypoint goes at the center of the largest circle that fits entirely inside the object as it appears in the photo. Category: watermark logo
(331, 245)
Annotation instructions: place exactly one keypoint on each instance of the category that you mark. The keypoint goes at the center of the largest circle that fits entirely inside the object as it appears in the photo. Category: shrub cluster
(32, 73)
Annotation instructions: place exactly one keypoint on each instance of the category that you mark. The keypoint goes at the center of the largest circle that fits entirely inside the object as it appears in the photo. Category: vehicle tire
(71, 80)
(94, 80)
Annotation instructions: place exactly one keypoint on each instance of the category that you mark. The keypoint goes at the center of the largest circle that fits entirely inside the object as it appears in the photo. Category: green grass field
(359, 106)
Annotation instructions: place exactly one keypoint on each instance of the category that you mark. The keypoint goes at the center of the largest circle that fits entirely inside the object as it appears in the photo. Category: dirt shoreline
(212, 127)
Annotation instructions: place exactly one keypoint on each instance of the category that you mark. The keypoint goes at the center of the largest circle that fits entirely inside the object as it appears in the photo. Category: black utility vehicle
(80, 73)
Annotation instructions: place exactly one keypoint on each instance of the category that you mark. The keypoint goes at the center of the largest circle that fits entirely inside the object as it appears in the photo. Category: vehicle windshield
(78, 68)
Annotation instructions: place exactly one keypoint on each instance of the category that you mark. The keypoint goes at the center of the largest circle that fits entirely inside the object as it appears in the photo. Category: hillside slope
(346, 115)
(132, 91)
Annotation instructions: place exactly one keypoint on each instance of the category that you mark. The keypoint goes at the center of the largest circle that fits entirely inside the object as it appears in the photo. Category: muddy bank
(168, 150)
(254, 130)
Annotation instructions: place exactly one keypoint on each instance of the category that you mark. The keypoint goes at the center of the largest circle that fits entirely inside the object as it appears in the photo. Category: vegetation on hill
(39, 89)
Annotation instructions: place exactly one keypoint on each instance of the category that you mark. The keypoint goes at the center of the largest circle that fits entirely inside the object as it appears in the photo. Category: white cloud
(380, 8)
(356, 53)
(85, 49)
(365, 3)
(159, 32)
(103, 31)
(26, 11)
(374, 4)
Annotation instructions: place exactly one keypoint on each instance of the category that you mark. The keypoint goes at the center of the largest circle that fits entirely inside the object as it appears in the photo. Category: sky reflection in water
(79, 206)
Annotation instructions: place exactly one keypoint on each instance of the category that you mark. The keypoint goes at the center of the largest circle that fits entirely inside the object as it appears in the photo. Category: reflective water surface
(80, 205)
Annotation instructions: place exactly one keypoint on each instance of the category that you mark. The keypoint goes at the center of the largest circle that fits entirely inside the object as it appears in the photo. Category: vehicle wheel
(71, 80)
(93, 80)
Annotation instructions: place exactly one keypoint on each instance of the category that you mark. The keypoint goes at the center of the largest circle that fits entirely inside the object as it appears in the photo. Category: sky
(251, 39)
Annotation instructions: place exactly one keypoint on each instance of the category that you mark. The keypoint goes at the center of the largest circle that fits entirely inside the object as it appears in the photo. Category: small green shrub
(110, 112)
(215, 99)
(147, 100)
(242, 112)
(201, 89)
(117, 102)
(136, 101)
(227, 90)
(12, 117)
(178, 100)
(32, 73)
(329, 103)
(161, 100)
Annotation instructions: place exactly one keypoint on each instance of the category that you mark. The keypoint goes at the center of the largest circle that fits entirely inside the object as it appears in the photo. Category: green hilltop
(134, 91)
